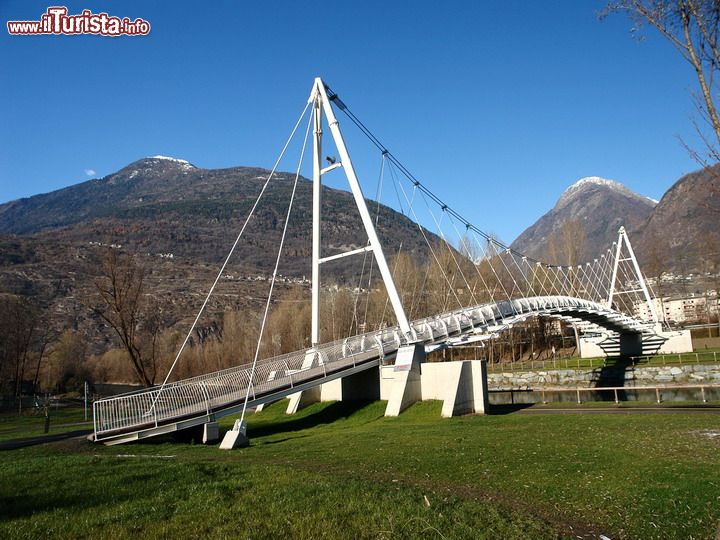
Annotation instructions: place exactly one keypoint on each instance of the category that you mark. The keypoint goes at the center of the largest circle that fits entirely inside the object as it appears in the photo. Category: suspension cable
(566, 280)
(452, 252)
(427, 241)
(378, 195)
(275, 270)
(565, 284)
(227, 259)
(376, 141)
(441, 234)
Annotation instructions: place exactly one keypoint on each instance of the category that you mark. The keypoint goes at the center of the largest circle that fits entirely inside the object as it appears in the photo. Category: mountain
(587, 216)
(683, 230)
(163, 205)
(181, 221)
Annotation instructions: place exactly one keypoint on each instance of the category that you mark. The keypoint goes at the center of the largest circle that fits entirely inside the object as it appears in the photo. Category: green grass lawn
(345, 471)
(32, 423)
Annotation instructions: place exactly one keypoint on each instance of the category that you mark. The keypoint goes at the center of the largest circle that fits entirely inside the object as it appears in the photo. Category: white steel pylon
(624, 240)
(322, 106)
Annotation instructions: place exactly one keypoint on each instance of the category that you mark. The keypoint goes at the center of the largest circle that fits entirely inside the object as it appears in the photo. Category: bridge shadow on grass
(272, 421)
(40, 500)
(339, 410)
(507, 408)
(280, 441)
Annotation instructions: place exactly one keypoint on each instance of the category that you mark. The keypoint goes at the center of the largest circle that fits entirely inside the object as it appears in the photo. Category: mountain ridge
(191, 211)
(678, 234)
(599, 181)
(588, 213)
(682, 234)
(179, 221)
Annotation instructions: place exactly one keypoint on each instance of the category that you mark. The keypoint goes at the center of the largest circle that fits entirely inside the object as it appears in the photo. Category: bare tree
(19, 322)
(691, 26)
(469, 248)
(568, 245)
(288, 326)
(575, 241)
(122, 306)
(68, 358)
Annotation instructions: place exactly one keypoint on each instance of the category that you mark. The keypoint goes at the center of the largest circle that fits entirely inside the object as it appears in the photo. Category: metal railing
(211, 392)
(617, 391)
(203, 394)
(708, 357)
(680, 358)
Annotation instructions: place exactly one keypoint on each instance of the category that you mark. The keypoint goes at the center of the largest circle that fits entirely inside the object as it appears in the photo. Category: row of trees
(21, 343)
(35, 357)
(32, 356)
(445, 281)
(148, 342)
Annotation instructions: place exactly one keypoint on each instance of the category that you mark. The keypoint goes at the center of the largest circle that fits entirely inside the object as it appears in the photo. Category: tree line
(33, 359)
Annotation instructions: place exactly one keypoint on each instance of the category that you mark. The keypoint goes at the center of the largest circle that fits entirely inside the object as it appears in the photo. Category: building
(682, 309)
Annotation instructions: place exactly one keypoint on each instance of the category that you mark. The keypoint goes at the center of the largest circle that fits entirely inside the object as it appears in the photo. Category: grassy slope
(32, 423)
(342, 471)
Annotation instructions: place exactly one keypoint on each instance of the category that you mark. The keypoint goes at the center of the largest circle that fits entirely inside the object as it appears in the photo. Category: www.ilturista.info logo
(56, 21)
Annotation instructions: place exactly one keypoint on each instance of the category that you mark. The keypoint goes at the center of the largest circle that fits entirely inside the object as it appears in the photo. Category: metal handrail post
(287, 367)
(207, 397)
(95, 421)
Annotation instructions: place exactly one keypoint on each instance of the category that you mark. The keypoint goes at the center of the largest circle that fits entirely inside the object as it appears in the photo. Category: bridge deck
(205, 398)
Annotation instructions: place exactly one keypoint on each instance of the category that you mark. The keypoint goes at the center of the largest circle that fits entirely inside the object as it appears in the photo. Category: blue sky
(496, 105)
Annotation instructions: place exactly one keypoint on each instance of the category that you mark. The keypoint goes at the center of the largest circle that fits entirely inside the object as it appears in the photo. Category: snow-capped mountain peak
(596, 180)
(182, 162)
(594, 208)
(168, 158)
(590, 181)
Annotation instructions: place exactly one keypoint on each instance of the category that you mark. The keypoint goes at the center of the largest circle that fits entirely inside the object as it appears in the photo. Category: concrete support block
(211, 432)
(362, 386)
(331, 391)
(387, 377)
(590, 346)
(406, 387)
(236, 437)
(461, 386)
(480, 386)
(300, 400)
(655, 342)
(457, 395)
(678, 341)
